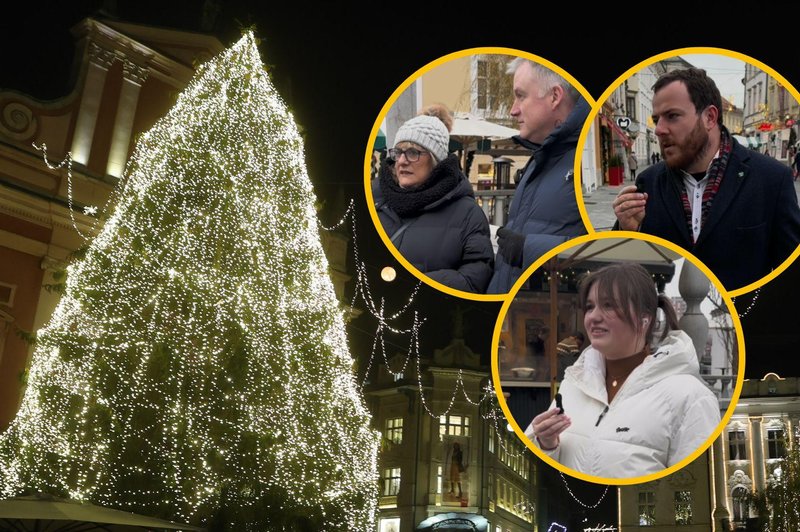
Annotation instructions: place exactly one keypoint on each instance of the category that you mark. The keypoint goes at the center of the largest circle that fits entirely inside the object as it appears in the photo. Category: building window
(739, 497)
(394, 430)
(736, 445)
(526, 465)
(7, 294)
(439, 479)
(630, 107)
(488, 81)
(482, 84)
(775, 443)
(647, 508)
(453, 425)
(391, 524)
(683, 507)
(491, 438)
(391, 481)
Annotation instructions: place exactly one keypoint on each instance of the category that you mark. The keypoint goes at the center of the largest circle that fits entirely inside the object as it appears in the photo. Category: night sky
(337, 65)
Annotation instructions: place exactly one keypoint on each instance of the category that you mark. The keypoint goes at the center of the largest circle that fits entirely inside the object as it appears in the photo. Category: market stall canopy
(468, 127)
(380, 141)
(45, 512)
(616, 250)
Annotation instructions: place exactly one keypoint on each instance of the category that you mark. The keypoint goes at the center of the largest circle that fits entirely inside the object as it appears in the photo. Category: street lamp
(388, 274)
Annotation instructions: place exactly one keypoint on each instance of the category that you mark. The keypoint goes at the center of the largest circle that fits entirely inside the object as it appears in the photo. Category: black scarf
(444, 178)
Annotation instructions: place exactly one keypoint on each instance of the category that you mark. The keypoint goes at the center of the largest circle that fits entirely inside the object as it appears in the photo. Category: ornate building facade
(125, 76)
(445, 460)
(712, 492)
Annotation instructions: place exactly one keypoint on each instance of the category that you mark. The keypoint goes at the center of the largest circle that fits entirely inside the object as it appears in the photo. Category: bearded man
(733, 208)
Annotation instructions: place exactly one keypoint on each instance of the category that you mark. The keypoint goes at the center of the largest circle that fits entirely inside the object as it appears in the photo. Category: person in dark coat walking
(733, 208)
(427, 206)
(543, 213)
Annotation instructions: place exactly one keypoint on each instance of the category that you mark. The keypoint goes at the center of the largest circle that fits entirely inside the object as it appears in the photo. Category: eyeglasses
(412, 154)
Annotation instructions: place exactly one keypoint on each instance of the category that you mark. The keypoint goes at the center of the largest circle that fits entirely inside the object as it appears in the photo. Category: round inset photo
(700, 147)
(469, 169)
(618, 359)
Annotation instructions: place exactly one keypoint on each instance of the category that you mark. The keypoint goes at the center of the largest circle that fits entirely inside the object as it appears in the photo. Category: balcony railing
(721, 384)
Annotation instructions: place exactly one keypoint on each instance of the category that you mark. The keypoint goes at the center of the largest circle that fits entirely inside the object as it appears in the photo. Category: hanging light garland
(751, 305)
(587, 506)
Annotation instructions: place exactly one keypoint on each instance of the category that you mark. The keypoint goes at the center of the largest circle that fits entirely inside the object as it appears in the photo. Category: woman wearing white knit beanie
(427, 206)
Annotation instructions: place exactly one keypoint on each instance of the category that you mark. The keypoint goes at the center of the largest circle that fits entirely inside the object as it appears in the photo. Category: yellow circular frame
(374, 134)
(635, 69)
(603, 236)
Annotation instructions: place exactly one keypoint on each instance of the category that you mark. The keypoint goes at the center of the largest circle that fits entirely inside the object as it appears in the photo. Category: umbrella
(747, 142)
(601, 250)
(51, 514)
(471, 127)
(468, 129)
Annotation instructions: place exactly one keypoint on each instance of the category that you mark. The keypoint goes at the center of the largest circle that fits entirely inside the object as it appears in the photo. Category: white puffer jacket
(662, 413)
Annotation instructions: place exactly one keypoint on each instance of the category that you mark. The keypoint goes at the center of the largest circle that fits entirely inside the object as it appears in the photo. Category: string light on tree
(197, 366)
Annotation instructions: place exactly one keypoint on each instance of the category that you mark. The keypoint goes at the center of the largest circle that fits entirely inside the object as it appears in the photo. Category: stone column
(757, 443)
(100, 60)
(720, 483)
(693, 286)
(132, 79)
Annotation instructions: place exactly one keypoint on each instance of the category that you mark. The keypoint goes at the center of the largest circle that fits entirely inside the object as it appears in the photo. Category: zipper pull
(603, 413)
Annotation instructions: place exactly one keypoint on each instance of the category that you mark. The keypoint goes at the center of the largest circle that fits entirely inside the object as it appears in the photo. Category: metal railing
(495, 204)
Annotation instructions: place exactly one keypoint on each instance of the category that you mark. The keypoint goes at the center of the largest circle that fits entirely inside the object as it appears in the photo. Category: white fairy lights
(198, 357)
(752, 304)
(585, 505)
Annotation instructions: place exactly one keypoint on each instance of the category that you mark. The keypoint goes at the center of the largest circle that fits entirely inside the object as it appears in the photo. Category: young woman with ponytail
(634, 402)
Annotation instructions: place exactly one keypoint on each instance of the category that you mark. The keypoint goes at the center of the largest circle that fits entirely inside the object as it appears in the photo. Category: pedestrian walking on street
(633, 164)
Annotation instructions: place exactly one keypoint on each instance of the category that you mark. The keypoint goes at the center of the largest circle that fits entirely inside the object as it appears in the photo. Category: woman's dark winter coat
(438, 227)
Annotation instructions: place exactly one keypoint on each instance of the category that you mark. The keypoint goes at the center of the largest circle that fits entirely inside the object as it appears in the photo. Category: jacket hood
(674, 356)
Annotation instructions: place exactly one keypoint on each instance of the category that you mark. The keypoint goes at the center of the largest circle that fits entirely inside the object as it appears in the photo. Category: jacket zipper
(603, 413)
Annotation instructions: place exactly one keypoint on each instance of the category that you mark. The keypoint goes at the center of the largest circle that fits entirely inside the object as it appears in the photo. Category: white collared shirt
(695, 190)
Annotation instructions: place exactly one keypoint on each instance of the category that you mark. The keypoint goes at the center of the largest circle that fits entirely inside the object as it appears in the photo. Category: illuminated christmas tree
(196, 367)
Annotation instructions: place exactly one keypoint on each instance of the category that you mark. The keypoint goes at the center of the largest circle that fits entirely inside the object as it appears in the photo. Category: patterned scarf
(715, 173)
